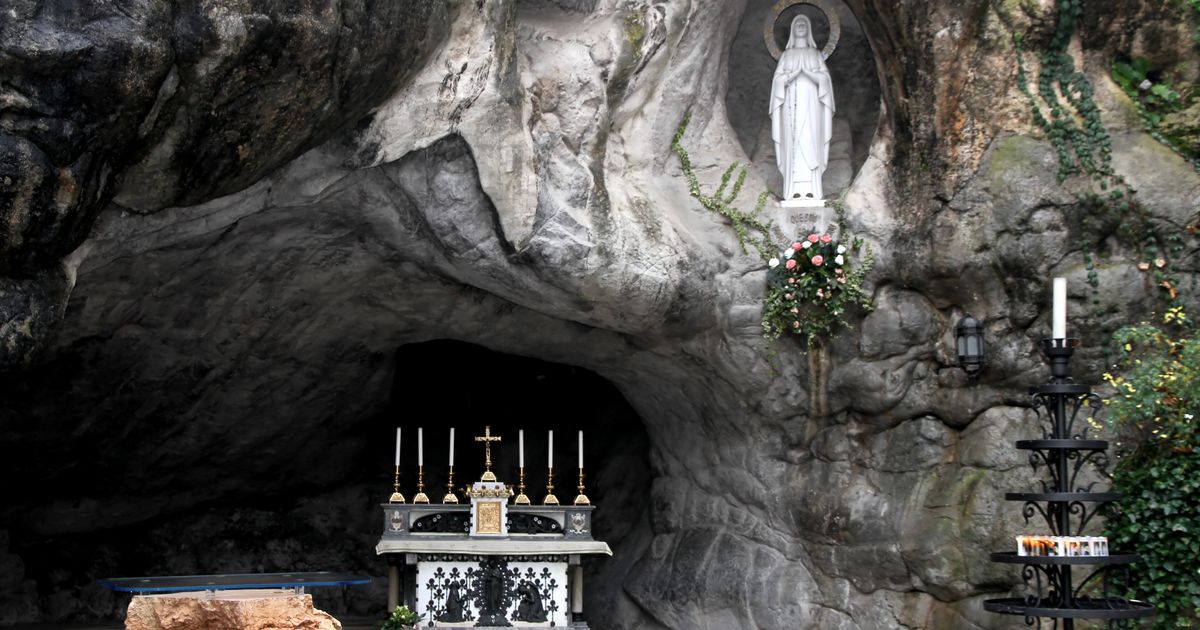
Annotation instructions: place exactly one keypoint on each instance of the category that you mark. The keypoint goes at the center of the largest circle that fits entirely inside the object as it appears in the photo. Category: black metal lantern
(968, 336)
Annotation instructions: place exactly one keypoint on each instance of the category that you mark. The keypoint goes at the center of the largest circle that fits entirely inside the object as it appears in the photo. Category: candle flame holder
(396, 496)
(450, 496)
(521, 498)
(550, 498)
(582, 498)
(421, 497)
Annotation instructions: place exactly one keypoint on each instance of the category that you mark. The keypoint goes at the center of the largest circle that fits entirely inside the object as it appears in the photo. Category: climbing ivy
(1063, 107)
(1154, 99)
(721, 203)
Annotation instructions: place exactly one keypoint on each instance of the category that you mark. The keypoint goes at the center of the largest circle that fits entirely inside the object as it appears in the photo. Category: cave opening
(444, 383)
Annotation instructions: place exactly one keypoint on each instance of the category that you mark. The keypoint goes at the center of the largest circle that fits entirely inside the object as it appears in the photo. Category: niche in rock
(855, 86)
(469, 387)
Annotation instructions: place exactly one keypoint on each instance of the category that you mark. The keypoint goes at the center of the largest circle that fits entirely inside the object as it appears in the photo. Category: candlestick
(521, 449)
(550, 498)
(420, 446)
(521, 498)
(1059, 327)
(550, 451)
(581, 450)
(397, 446)
(420, 497)
(451, 448)
(582, 498)
(396, 496)
(450, 496)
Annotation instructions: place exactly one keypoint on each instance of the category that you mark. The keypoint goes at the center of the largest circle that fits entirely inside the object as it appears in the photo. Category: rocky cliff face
(221, 222)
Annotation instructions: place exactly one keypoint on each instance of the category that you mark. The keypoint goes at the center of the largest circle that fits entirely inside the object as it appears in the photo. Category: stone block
(258, 609)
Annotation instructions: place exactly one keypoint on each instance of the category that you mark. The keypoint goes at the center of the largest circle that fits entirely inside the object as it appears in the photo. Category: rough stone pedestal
(251, 609)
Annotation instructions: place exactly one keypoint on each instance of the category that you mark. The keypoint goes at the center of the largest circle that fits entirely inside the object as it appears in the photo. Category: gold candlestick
(550, 498)
(450, 496)
(421, 498)
(582, 498)
(521, 498)
(396, 496)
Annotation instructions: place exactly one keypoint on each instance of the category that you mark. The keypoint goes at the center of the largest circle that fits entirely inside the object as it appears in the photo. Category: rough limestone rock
(209, 318)
(183, 102)
(243, 609)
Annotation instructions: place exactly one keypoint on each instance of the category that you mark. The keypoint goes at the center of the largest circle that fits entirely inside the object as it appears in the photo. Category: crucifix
(487, 438)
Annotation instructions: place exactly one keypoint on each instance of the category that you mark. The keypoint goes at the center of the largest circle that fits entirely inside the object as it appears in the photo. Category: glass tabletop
(179, 583)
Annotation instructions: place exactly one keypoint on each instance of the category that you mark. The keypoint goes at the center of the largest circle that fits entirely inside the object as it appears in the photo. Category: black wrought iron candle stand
(1067, 504)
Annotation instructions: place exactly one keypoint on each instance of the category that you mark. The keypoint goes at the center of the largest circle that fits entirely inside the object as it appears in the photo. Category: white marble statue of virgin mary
(801, 113)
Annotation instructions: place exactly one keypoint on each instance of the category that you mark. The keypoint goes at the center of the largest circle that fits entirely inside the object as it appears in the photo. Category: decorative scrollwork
(532, 524)
(443, 523)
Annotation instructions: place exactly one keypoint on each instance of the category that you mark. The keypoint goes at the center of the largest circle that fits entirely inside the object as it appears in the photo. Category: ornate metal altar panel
(453, 590)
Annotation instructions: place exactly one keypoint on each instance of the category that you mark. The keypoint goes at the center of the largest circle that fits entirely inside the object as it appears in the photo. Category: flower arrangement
(402, 618)
(810, 286)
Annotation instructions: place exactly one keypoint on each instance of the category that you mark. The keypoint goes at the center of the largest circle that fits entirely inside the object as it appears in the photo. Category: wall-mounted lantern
(968, 336)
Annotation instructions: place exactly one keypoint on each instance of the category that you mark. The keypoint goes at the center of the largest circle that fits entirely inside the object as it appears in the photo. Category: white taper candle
(581, 450)
(420, 446)
(452, 447)
(397, 446)
(550, 451)
(521, 448)
(1059, 326)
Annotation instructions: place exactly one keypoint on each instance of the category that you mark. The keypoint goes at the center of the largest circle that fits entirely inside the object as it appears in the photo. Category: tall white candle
(452, 447)
(1060, 309)
(521, 448)
(581, 450)
(550, 451)
(420, 446)
(397, 446)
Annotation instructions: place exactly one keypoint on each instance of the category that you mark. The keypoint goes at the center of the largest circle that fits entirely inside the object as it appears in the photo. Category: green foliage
(810, 286)
(401, 618)
(1155, 400)
(1158, 390)
(1160, 519)
(1195, 4)
(1064, 109)
(809, 298)
(722, 203)
(1153, 101)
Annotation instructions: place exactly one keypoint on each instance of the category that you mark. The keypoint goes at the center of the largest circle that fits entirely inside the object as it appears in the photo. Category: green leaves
(721, 203)
(809, 298)
(1156, 398)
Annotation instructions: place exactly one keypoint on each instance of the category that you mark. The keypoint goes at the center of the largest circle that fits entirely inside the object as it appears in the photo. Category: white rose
(774, 262)
(805, 244)
(841, 249)
(839, 260)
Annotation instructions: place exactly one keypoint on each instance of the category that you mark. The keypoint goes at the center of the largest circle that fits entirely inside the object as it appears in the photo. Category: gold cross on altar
(487, 438)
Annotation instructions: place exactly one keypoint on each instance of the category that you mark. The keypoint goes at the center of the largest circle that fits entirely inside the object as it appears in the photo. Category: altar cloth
(491, 547)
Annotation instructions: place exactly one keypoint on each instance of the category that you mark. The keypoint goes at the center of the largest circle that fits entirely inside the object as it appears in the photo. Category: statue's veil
(792, 43)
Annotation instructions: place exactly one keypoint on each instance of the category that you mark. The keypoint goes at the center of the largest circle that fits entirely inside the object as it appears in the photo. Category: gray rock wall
(512, 187)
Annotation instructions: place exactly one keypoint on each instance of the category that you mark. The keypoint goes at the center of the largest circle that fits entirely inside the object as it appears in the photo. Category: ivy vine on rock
(1064, 109)
(744, 223)
(810, 284)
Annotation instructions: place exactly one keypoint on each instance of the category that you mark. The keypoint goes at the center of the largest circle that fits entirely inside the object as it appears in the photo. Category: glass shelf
(182, 583)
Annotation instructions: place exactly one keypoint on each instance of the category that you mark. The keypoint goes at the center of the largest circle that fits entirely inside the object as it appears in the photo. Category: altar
(492, 562)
